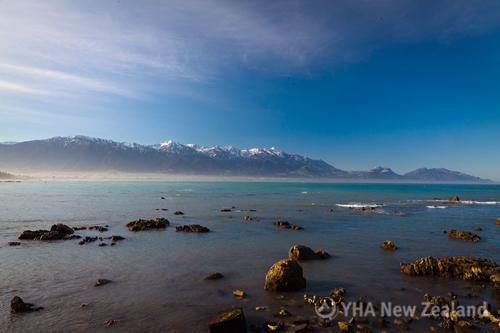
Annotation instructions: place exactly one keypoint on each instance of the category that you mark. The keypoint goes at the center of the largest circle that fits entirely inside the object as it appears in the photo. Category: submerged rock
(14, 243)
(141, 224)
(17, 305)
(285, 275)
(179, 213)
(231, 321)
(99, 228)
(87, 239)
(192, 228)
(102, 282)
(225, 210)
(459, 267)
(115, 238)
(303, 253)
(286, 225)
(463, 235)
(454, 198)
(388, 245)
(214, 276)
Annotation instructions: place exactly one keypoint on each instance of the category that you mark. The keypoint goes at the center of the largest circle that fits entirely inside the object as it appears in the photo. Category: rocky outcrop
(17, 305)
(463, 235)
(303, 253)
(231, 321)
(286, 225)
(192, 228)
(454, 199)
(458, 267)
(141, 224)
(285, 275)
(388, 245)
(56, 232)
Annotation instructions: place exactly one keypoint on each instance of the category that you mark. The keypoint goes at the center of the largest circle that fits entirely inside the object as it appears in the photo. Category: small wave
(474, 202)
(359, 205)
(304, 192)
(436, 207)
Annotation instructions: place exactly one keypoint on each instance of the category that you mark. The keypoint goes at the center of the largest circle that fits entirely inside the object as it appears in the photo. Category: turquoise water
(158, 276)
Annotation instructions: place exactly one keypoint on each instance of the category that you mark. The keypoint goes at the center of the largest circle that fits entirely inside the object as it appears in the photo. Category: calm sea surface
(158, 275)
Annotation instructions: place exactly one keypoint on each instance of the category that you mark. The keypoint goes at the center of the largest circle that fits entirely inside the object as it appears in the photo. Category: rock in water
(454, 198)
(459, 267)
(463, 235)
(17, 305)
(302, 252)
(498, 220)
(214, 276)
(388, 245)
(192, 228)
(102, 282)
(285, 275)
(139, 225)
(62, 228)
(232, 321)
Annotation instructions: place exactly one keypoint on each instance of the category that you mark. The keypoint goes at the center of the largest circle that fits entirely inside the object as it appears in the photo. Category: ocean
(158, 276)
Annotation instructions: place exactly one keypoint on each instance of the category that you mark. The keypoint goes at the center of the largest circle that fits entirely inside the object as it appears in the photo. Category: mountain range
(85, 154)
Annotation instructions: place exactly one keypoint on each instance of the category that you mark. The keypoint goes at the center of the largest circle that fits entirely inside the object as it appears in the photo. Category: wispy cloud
(128, 49)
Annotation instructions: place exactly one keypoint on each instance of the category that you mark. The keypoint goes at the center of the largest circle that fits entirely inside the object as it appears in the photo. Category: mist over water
(158, 275)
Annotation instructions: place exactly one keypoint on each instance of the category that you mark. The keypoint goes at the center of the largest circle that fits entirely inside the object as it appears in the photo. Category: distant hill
(85, 154)
(5, 175)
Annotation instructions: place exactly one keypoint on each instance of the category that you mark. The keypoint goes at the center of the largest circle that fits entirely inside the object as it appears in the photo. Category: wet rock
(239, 293)
(110, 322)
(300, 328)
(454, 198)
(402, 323)
(79, 228)
(231, 321)
(103, 244)
(495, 279)
(192, 228)
(274, 326)
(162, 198)
(214, 276)
(179, 213)
(435, 300)
(282, 312)
(388, 245)
(459, 267)
(463, 235)
(17, 305)
(87, 239)
(14, 243)
(261, 308)
(337, 294)
(115, 238)
(303, 253)
(286, 225)
(98, 228)
(498, 220)
(285, 275)
(102, 282)
(249, 218)
(225, 210)
(463, 326)
(141, 224)
(41, 235)
(343, 326)
(62, 229)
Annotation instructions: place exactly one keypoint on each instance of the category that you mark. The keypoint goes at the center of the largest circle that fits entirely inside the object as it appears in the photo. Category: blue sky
(396, 83)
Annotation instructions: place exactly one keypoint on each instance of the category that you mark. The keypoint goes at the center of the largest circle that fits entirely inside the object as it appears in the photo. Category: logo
(326, 308)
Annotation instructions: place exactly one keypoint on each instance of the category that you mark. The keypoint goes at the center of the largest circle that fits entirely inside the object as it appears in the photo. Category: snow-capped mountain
(81, 153)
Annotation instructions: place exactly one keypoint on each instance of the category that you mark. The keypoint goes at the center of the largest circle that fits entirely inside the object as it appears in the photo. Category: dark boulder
(285, 275)
(231, 321)
(302, 253)
(498, 220)
(62, 229)
(388, 245)
(102, 282)
(214, 276)
(179, 213)
(454, 198)
(192, 228)
(14, 243)
(115, 238)
(17, 305)
(463, 235)
(141, 224)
